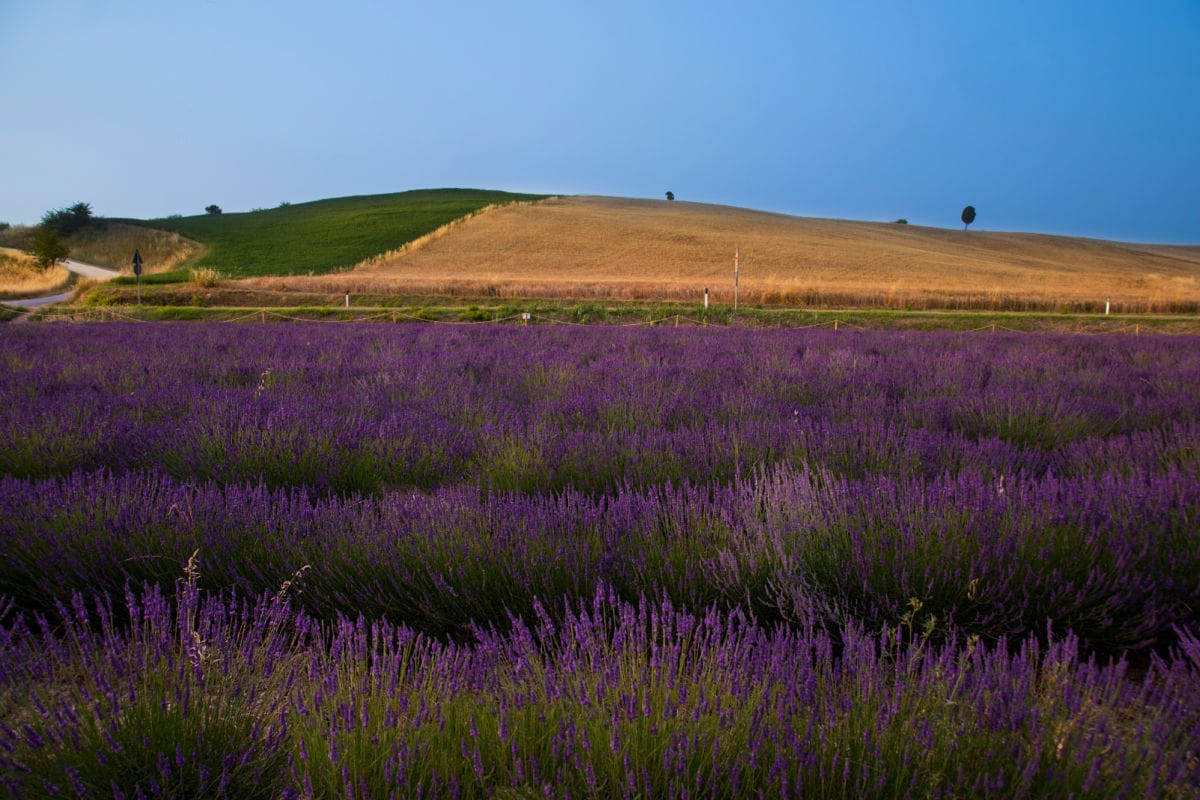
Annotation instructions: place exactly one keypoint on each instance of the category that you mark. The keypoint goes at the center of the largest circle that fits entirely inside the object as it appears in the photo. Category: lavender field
(372, 561)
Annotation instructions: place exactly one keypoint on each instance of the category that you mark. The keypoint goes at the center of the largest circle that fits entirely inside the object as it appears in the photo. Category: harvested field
(593, 247)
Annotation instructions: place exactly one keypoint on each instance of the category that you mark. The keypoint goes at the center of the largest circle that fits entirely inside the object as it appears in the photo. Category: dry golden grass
(591, 247)
(112, 245)
(20, 276)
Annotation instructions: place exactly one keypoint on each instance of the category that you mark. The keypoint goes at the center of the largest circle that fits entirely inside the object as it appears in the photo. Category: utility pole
(736, 258)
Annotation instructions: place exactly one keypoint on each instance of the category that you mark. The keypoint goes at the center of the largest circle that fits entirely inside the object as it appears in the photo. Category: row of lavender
(207, 697)
(1115, 559)
(366, 409)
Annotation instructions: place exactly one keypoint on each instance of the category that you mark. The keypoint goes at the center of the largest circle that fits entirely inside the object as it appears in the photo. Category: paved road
(79, 268)
(37, 302)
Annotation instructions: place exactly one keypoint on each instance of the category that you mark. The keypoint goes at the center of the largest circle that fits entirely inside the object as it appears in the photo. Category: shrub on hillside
(65, 221)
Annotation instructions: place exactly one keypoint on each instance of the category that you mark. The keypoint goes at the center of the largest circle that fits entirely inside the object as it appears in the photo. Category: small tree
(670, 195)
(47, 248)
(213, 209)
(968, 216)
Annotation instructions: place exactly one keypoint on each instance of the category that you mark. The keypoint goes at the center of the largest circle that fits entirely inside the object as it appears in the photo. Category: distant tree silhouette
(968, 216)
(213, 209)
(65, 221)
(670, 195)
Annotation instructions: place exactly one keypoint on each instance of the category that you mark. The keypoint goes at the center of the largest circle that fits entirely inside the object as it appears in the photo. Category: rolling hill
(478, 244)
(598, 247)
(616, 248)
(325, 235)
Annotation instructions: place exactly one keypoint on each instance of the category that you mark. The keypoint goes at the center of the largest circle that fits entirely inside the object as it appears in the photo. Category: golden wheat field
(594, 247)
(20, 276)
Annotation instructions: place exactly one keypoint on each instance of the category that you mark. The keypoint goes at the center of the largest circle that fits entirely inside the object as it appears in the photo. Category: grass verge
(117, 300)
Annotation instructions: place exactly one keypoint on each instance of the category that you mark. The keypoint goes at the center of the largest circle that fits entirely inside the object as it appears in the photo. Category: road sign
(137, 270)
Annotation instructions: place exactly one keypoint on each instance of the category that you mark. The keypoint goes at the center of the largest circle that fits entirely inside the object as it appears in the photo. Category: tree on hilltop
(65, 221)
(968, 216)
(670, 195)
(213, 209)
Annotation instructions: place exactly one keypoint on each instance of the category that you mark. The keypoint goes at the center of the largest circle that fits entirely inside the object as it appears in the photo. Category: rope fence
(123, 314)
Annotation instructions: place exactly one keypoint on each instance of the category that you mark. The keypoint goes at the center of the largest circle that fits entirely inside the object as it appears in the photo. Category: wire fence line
(128, 314)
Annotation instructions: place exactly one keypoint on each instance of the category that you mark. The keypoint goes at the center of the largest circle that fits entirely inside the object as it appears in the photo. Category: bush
(213, 209)
(204, 276)
(475, 314)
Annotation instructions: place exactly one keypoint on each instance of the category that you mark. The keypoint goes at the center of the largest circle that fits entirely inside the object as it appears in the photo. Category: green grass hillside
(325, 235)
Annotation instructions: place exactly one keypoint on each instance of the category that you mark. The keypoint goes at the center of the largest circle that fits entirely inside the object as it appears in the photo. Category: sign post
(137, 270)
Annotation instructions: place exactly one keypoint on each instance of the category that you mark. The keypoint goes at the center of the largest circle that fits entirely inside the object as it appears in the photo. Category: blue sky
(1079, 118)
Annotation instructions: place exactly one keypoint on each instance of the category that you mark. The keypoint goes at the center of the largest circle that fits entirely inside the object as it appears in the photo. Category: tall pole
(736, 258)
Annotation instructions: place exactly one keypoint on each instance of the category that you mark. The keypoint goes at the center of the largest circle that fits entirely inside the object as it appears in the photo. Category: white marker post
(1106, 302)
(706, 298)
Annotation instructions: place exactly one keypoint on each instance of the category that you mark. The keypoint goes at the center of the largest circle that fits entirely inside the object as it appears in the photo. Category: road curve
(79, 268)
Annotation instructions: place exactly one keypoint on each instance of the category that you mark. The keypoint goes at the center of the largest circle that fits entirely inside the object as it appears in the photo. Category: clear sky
(1069, 117)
